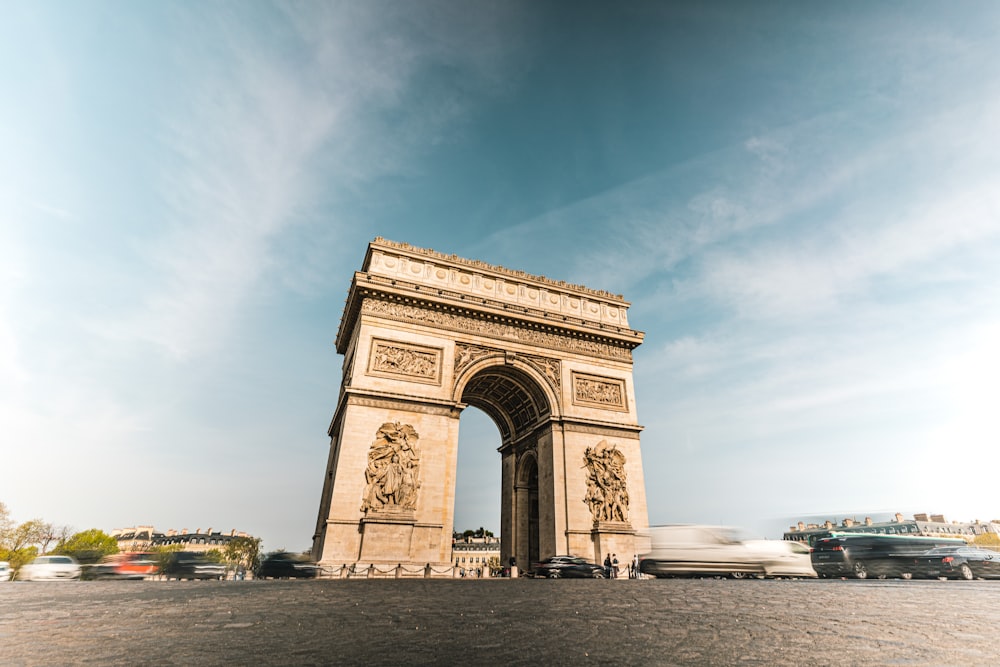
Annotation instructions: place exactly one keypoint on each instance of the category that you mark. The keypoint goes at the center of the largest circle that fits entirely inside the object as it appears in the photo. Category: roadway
(519, 622)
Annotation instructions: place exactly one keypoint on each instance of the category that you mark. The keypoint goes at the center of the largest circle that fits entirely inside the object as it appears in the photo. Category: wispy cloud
(268, 129)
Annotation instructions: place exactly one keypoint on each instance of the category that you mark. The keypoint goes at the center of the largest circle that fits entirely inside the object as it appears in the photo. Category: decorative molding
(619, 527)
(493, 329)
(400, 402)
(389, 516)
(601, 392)
(477, 264)
(630, 431)
(416, 363)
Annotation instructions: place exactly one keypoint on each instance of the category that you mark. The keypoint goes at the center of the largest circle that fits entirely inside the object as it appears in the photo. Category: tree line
(20, 543)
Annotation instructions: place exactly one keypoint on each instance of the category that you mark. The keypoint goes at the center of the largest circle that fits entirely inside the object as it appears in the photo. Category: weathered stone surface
(425, 335)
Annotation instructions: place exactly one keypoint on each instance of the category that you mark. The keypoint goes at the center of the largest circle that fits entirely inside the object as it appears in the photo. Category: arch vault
(424, 335)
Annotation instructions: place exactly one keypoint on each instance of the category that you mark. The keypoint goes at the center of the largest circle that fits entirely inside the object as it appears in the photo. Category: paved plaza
(501, 622)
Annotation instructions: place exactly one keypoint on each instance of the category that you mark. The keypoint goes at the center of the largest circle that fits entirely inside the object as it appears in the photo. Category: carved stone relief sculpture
(607, 492)
(400, 359)
(548, 367)
(393, 472)
(466, 354)
(605, 393)
(408, 313)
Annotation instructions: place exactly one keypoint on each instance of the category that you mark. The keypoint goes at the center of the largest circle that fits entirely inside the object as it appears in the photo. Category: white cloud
(260, 136)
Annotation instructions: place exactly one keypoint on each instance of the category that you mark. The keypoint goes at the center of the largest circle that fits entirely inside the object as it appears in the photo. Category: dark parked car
(958, 563)
(285, 565)
(567, 566)
(864, 555)
(191, 565)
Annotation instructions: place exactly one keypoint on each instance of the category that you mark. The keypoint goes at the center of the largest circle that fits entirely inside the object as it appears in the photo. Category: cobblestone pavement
(520, 622)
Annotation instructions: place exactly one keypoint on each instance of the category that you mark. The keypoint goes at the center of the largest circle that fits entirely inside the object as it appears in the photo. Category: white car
(50, 568)
(5, 571)
(783, 558)
(691, 550)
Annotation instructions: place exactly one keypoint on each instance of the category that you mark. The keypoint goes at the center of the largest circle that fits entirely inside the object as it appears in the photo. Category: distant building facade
(924, 525)
(472, 553)
(144, 538)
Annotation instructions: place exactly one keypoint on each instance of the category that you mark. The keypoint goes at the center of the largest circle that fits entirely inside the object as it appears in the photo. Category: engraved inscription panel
(415, 363)
(600, 392)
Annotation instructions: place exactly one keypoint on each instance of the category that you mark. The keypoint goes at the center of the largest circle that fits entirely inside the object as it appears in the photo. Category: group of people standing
(611, 570)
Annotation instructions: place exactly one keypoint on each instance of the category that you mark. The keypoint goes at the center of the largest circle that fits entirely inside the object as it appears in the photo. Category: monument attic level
(411, 276)
(426, 334)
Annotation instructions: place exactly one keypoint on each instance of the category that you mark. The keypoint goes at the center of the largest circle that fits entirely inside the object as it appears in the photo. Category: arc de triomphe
(424, 335)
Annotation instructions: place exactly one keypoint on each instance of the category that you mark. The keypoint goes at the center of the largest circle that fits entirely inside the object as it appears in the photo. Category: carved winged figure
(393, 470)
(607, 488)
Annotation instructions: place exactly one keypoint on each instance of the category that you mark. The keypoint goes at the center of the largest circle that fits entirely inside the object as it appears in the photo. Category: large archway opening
(519, 407)
(478, 474)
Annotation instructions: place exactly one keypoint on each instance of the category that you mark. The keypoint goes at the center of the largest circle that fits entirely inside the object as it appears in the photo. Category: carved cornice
(629, 431)
(477, 264)
(613, 528)
(443, 296)
(499, 328)
(390, 401)
(399, 402)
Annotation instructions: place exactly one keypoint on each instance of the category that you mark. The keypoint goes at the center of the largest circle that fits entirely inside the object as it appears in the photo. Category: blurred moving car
(864, 555)
(783, 558)
(691, 550)
(138, 565)
(50, 568)
(558, 567)
(5, 571)
(284, 565)
(191, 565)
(958, 563)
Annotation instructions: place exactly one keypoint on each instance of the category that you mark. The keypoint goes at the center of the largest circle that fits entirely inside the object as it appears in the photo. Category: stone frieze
(592, 390)
(498, 330)
(415, 362)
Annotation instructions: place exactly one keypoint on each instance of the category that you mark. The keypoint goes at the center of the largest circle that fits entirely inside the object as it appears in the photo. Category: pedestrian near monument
(607, 566)
(614, 566)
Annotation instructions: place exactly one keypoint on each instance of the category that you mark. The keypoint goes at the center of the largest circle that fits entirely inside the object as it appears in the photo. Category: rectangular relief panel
(415, 363)
(599, 392)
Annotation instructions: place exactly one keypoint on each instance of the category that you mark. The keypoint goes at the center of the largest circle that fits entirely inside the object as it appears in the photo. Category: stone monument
(423, 336)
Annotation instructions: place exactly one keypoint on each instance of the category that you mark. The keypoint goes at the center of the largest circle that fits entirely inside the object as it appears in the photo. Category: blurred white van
(696, 550)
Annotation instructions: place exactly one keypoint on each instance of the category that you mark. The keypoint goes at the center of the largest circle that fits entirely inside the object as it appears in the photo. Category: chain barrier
(372, 571)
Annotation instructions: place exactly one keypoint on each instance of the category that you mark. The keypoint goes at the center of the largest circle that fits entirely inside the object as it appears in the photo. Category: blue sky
(800, 200)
